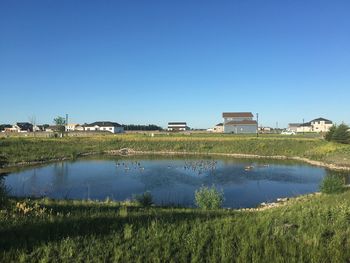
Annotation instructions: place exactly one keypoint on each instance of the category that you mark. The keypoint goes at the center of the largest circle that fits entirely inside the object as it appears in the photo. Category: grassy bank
(41, 149)
(304, 230)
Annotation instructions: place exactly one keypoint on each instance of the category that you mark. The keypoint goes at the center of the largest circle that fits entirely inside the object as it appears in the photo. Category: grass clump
(332, 184)
(209, 198)
(4, 192)
(145, 199)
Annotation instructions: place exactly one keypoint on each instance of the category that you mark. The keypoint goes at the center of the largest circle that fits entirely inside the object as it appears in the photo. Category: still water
(171, 180)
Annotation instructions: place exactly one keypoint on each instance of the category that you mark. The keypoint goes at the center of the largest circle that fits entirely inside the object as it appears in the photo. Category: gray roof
(177, 123)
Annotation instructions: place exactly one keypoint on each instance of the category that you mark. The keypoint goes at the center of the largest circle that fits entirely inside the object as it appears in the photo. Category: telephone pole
(257, 124)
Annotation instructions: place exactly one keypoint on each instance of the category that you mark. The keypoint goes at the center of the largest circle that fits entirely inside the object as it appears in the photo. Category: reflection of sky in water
(171, 181)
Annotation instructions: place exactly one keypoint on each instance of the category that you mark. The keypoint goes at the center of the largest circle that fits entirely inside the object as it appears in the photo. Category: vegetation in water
(4, 192)
(145, 199)
(332, 183)
(209, 198)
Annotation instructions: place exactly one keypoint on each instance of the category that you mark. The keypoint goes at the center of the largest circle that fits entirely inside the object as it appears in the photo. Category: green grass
(309, 229)
(43, 149)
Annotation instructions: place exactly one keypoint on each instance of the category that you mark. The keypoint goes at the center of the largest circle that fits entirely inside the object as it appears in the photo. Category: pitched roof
(244, 122)
(237, 114)
(177, 123)
(219, 124)
(306, 124)
(294, 124)
(103, 124)
(25, 125)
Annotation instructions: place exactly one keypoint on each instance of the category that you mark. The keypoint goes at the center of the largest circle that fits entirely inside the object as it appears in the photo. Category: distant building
(219, 128)
(262, 129)
(321, 125)
(107, 126)
(293, 126)
(53, 128)
(316, 125)
(20, 127)
(239, 122)
(178, 126)
(71, 127)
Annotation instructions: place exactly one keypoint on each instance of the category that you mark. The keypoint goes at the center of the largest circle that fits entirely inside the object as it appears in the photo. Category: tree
(329, 134)
(60, 123)
(341, 134)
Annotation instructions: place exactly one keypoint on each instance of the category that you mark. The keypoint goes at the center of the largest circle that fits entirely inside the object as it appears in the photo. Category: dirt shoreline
(128, 152)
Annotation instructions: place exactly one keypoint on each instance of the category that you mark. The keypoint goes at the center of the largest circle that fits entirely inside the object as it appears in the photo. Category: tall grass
(42, 149)
(310, 230)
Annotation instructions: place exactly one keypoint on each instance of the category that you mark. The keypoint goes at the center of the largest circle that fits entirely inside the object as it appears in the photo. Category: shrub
(329, 134)
(332, 184)
(341, 134)
(145, 199)
(209, 198)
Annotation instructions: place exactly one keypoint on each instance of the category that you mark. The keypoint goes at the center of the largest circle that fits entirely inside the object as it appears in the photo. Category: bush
(145, 199)
(341, 134)
(329, 134)
(332, 184)
(209, 198)
(338, 134)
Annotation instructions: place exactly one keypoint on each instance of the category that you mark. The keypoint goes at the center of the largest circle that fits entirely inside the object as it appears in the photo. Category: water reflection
(171, 180)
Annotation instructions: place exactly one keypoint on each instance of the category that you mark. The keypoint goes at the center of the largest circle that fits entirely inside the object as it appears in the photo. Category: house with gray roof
(239, 122)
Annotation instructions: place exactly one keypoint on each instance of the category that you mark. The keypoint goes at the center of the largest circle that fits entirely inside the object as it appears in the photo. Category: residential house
(21, 127)
(293, 126)
(107, 126)
(316, 125)
(73, 127)
(239, 122)
(177, 126)
(219, 128)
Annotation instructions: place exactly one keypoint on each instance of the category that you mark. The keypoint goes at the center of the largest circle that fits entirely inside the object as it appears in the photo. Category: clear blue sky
(157, 61)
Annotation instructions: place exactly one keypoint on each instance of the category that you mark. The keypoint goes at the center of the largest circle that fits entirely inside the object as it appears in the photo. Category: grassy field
(42, 149)
(304, 230)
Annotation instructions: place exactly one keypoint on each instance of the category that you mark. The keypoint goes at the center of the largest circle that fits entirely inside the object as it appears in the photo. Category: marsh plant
(145, 199)
(332, 184)
(4, 192)
(209, 197)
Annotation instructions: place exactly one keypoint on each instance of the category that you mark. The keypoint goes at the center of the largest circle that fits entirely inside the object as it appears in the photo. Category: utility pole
(303, 126)
(66, 126)
(257, 124)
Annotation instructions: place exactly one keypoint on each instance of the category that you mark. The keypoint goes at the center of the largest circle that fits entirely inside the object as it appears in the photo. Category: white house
(21, 127)
(239, 122)
(219, 128)
(316, 125)
(71, 126)
(107, 126)
(177, 126)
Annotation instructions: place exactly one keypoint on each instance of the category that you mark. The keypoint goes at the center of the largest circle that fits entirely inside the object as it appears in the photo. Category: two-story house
(239, 122)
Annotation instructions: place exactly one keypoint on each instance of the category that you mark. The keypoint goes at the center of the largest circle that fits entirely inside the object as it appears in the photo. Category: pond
(171, 180)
